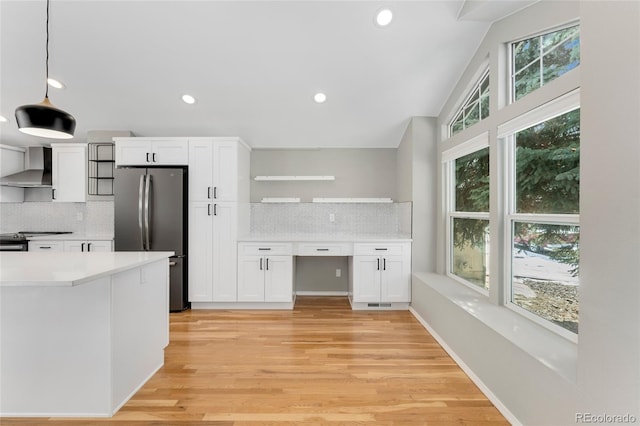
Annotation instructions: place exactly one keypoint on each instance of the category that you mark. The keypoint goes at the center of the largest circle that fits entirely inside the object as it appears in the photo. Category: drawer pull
(322, 249)
(45, 247)
(381, 249)
(264, 248)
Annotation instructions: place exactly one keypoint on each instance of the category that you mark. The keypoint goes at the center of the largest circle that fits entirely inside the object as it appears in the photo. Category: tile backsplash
(314, 218)
(91, 218)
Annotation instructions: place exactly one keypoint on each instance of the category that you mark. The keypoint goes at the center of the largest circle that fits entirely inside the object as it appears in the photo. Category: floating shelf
(289, 178)
(352, 200)
(280, 200)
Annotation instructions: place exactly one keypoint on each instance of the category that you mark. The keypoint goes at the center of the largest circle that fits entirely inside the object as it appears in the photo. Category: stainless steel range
(19, 241)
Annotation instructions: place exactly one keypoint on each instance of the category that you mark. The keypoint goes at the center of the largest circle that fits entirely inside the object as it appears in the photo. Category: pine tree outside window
(538, 60)
(474, 109)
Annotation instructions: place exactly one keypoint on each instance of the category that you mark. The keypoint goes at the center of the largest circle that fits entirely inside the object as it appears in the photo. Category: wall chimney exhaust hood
(37, 173)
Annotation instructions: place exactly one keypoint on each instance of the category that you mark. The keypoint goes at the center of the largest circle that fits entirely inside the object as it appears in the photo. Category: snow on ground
(527, 264)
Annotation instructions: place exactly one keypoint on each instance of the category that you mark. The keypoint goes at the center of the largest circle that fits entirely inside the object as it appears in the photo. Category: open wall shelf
(292, 178)
(101, 163)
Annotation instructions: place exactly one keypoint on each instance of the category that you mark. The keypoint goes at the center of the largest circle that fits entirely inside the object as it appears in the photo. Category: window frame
(506, 136)
(475, 89)
(449, 158)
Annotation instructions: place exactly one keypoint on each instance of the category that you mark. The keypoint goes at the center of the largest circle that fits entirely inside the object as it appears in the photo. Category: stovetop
(25, 235)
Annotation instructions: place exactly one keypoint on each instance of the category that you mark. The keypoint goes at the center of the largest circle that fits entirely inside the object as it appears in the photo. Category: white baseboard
(475, 379)
(321, 293)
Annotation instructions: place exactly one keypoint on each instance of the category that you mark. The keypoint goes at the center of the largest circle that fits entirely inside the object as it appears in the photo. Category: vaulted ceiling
(253, 66)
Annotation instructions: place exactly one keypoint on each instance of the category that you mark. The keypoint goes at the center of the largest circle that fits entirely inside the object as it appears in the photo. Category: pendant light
(43, 119)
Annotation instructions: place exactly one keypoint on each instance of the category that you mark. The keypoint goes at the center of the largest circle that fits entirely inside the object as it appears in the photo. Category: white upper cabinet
(218, 170)
(69, 172)
(151, 151)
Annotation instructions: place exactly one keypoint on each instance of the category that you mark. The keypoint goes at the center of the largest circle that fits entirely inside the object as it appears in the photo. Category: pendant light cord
(46, 83)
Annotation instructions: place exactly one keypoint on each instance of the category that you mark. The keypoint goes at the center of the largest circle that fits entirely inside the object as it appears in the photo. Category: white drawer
(46, 246)
(265, 248)
(324, 249)
(381, 249)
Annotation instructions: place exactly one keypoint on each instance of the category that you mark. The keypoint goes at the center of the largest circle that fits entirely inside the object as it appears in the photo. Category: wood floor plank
(321, 363)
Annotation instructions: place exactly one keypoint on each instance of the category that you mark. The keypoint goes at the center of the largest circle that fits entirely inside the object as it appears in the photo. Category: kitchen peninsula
(80, 333)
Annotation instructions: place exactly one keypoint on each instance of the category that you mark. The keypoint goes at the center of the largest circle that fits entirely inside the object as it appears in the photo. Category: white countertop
(75, 236)
(66, 269)
(306, 237)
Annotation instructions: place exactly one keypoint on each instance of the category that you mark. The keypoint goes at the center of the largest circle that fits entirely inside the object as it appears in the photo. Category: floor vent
(378, 305)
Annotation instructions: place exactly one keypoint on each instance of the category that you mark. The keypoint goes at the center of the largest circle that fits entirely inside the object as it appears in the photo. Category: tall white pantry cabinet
(218, 211)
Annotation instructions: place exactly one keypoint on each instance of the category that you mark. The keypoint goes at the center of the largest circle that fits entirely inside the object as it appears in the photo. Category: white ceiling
(253, 66)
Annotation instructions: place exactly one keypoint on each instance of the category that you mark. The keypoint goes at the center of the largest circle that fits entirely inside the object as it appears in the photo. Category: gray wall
(609, 346)
(416, 164)
(317, 274)
(365, 173)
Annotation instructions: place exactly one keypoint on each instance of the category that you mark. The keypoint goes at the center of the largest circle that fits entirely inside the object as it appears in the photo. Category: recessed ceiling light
(384, 17)
(3, 119)
(55, 83)
(319, 97)
(188, 99)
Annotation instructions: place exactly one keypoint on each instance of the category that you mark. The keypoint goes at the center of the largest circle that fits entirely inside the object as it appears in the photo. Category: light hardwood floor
(318, 364)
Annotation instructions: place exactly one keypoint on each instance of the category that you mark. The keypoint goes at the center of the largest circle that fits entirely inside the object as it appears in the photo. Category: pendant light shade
(43, 119)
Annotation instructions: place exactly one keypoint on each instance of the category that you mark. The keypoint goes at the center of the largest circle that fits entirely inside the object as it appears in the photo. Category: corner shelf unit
(101, 164)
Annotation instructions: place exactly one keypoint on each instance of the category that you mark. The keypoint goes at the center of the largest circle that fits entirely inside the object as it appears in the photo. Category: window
(474, 109)
(469, 214)
(543, 219)
(538, 60)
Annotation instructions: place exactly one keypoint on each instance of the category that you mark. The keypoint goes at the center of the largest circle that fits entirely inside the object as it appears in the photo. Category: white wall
(549, 383)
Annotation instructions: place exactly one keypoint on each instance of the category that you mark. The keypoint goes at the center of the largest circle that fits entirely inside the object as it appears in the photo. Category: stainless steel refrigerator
(151, 215)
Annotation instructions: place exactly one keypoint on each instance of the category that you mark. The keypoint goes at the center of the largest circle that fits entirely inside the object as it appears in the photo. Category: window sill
(550, 349)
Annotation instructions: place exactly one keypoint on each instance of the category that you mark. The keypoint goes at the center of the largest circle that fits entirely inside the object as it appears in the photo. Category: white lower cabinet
(71, 245)
(381, 279)
(265, 277)
(88, 245)
(46, 246)
(213, 238)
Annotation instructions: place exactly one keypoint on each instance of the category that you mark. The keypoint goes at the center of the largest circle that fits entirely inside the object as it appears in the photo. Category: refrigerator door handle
(147, 210)
(140, 210)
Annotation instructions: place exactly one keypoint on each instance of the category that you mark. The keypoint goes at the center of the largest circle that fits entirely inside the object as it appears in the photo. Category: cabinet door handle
(378, 264)
(153, 156)
(209, 209)
(82, 247)
(53, 193)
(208, 192)
(147, 157)
(267, 263)
(215, 210)
(88, 246)
(261, 264)
(215, 192)
(384, 264)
